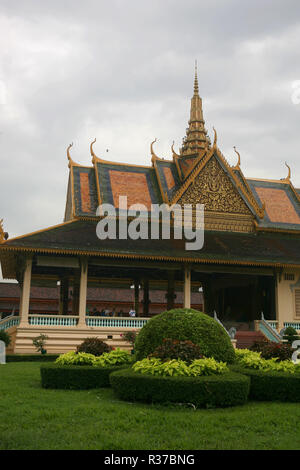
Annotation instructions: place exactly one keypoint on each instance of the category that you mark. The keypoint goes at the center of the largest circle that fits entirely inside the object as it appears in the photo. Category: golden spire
(196, 134)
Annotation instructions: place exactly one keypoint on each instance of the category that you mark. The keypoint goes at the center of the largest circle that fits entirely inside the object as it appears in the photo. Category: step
(245, 339)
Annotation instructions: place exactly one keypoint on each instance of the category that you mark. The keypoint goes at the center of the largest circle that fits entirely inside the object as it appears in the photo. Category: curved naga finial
(173, 151)
(68, 154)
(237, 166)
(215, 138)
(3, 235)
(151, 149)
(288, 178)
(92, 151)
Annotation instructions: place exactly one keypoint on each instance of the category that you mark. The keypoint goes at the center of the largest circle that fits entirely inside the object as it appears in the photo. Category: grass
(32, 418)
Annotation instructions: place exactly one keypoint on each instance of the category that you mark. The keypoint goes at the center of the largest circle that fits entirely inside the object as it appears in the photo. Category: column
(25, 293)
(64, 297)
(171, 291)
(187, 287)
(75, 296)
(136, 296)
(83, 292)
(146, 300)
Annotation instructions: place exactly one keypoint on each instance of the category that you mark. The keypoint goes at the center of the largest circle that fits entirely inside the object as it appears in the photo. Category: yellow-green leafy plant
(207, 366)
(198, 367)
(73, 358)
(113, 358)
(253, 360)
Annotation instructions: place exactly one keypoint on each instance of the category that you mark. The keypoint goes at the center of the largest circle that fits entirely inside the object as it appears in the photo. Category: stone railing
(68, 320)
(294, 324)
(116, 322)
(53, 320)
(8, 322)
(273, 324)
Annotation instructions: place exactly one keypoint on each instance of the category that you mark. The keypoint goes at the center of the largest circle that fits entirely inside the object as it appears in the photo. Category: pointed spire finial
(196, 87)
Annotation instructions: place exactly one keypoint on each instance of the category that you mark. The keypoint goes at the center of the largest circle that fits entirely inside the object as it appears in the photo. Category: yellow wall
(285, 297)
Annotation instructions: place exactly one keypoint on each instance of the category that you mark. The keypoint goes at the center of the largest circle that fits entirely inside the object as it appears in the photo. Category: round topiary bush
(185, 324)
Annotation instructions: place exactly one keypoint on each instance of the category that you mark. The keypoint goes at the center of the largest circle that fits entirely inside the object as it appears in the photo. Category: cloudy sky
(122, 71)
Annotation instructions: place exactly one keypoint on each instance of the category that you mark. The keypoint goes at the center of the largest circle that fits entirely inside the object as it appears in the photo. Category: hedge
(185, 324)
(31, 357)
(272, 386)
(75, 377)
(206, 391)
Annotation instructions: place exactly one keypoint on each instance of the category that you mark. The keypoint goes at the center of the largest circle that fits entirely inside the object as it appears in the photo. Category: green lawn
(34, 418)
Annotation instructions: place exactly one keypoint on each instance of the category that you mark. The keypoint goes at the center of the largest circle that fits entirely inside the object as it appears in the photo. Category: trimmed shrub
(290, 335)
(4, 336)
(31, 357)
(272, 386)
(185, 324)
(176, 349)
(213, 391)
(94, 346)
(270, 349)
(57, 376)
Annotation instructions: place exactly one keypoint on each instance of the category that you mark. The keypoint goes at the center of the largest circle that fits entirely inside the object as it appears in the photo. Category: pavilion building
(249, 263)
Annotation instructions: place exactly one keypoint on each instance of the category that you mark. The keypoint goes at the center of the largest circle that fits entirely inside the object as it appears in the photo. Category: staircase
(245, 339)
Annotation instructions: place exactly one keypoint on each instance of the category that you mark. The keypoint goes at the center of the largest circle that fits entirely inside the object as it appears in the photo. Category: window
(289, 277)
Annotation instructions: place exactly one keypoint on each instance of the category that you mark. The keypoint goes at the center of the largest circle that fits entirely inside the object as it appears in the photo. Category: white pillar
(25, 293)
(187, 287)
(83, 292)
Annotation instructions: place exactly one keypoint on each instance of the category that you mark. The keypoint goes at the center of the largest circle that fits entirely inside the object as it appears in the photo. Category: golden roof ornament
(69, 156)
(92, 150)
(238, 165)
(3, 235)
(215, 138)
(153, 154)
(173, 151)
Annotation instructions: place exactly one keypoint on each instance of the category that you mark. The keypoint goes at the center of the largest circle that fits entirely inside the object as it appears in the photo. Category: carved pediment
(214, 188)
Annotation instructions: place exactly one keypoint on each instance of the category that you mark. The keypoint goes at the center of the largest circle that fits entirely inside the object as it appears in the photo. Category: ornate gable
(213, 188)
